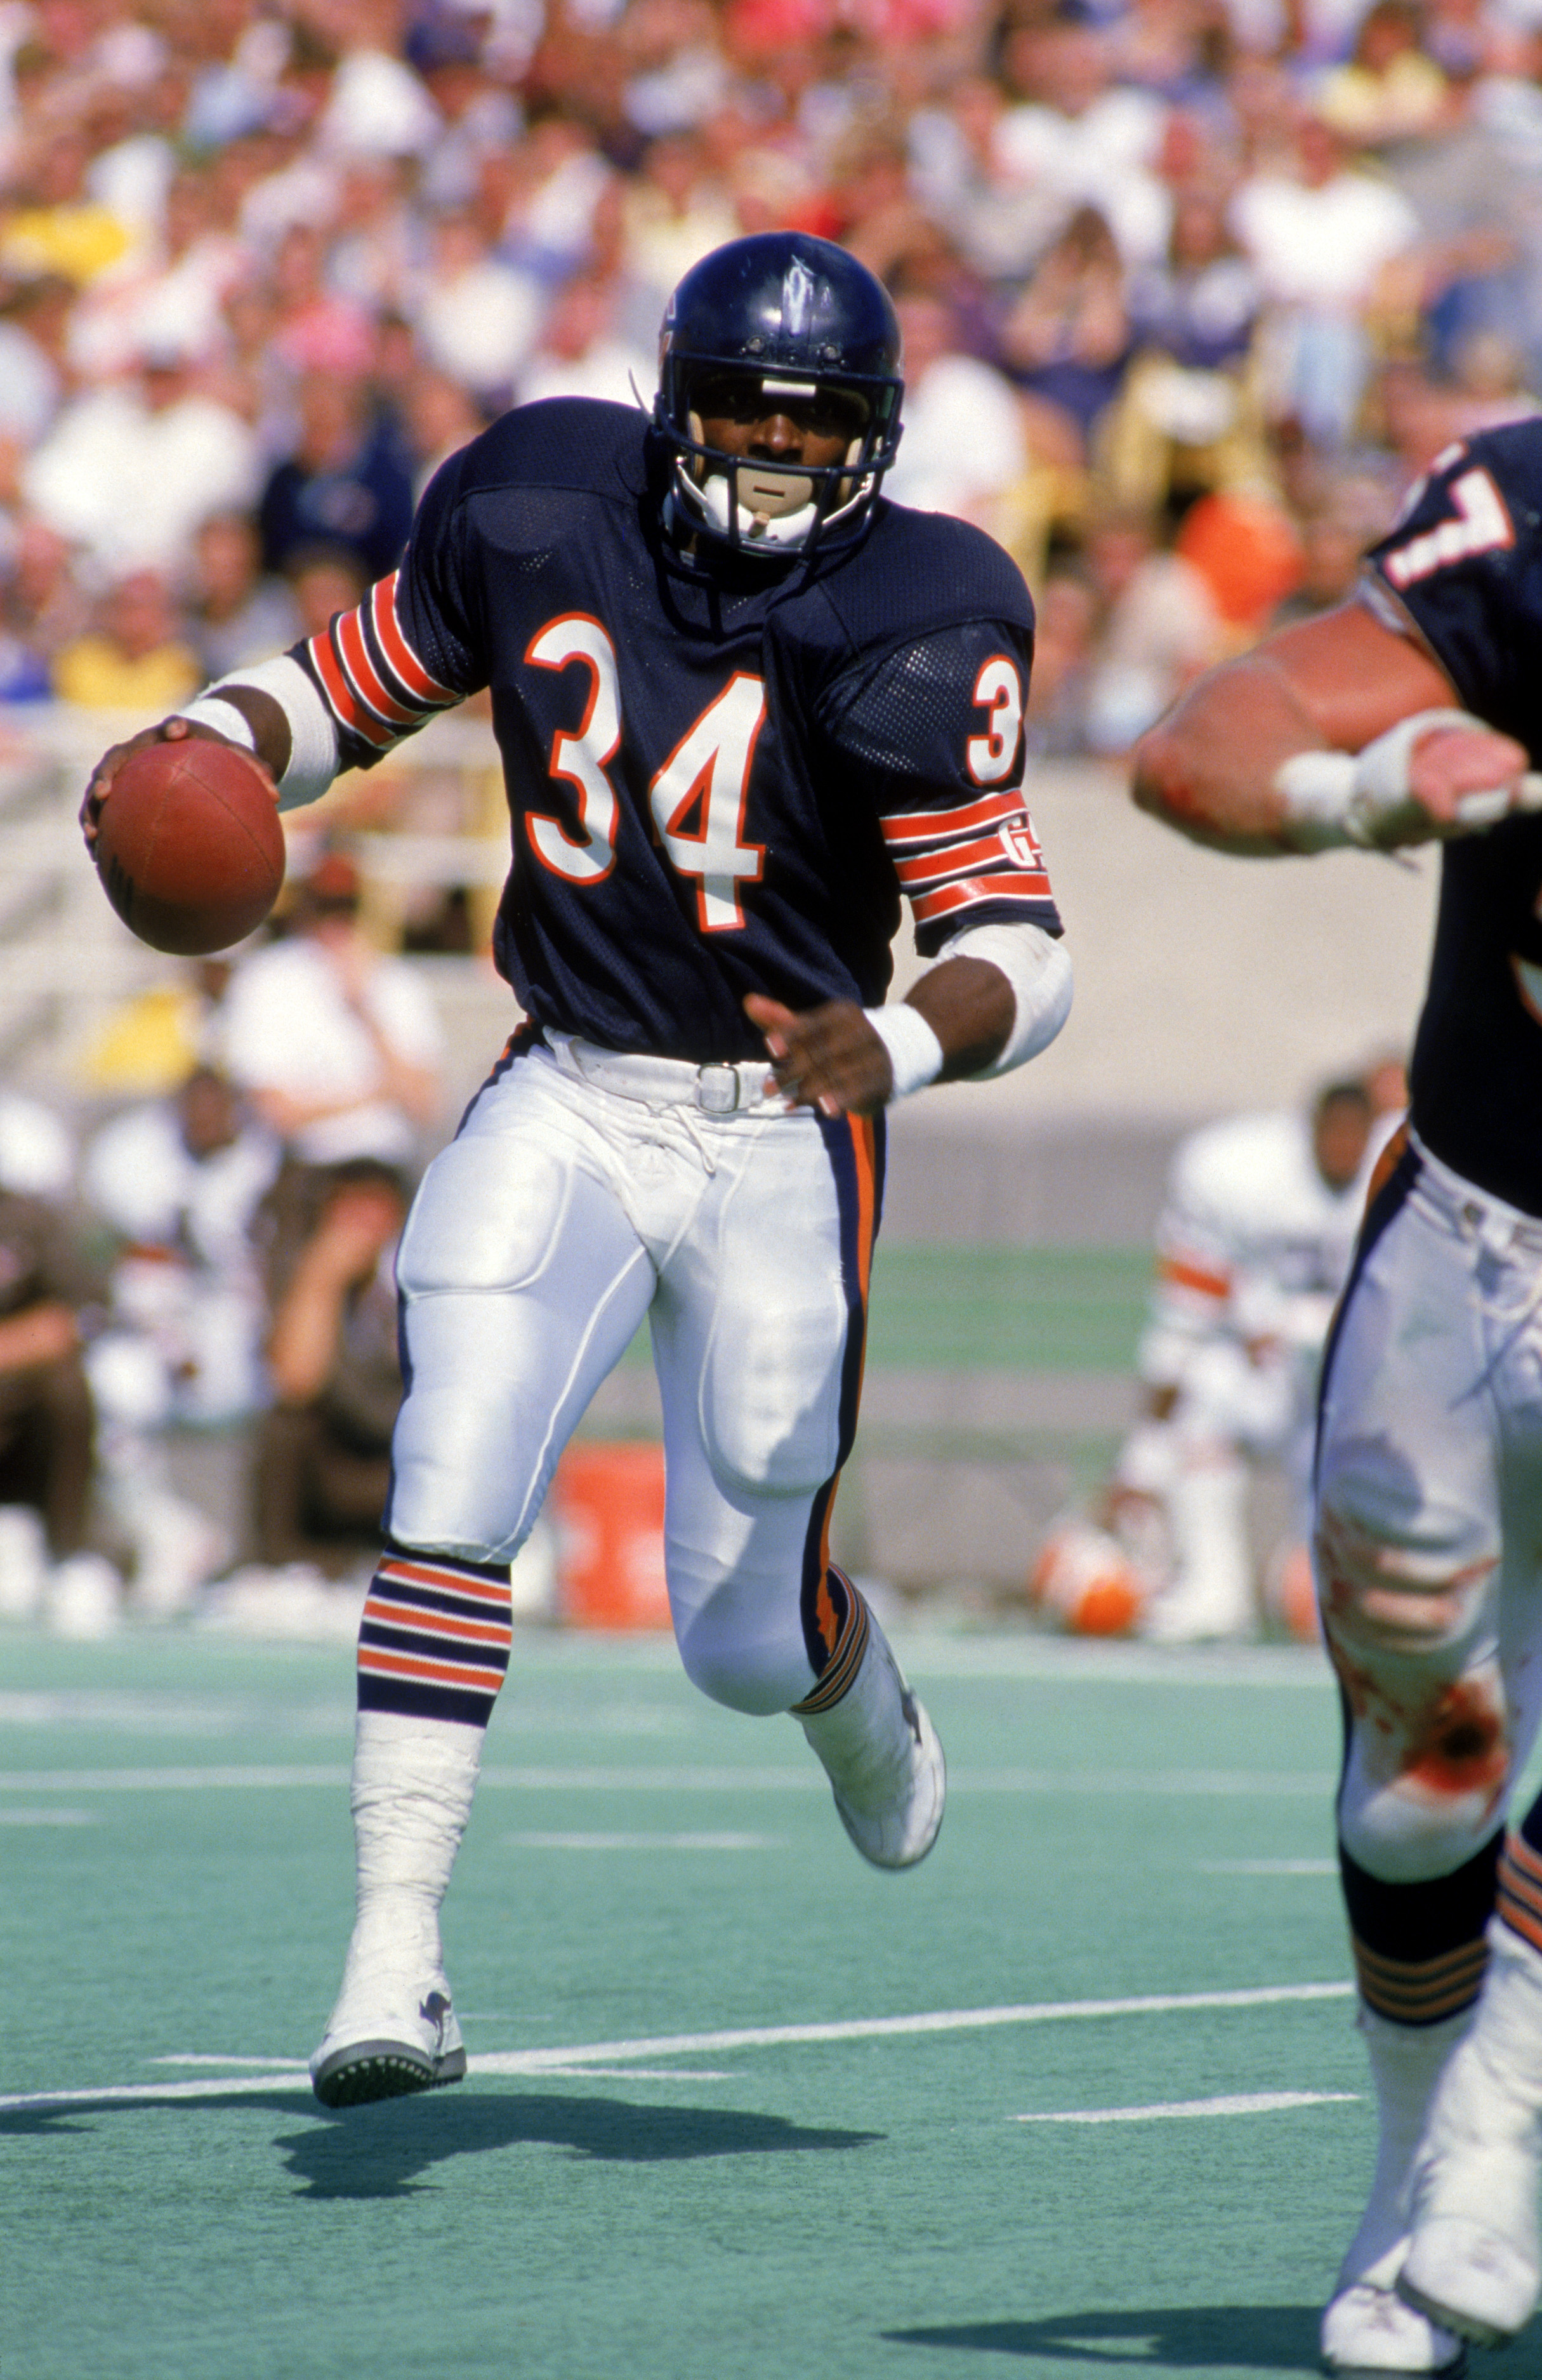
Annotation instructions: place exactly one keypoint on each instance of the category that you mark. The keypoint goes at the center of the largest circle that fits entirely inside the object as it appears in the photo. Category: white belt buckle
(717, 1089)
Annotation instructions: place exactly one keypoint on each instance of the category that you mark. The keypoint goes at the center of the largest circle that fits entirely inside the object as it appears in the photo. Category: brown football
(188, 845)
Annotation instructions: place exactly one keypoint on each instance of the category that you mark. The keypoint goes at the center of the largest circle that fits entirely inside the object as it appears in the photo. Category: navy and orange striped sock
(434, 1639)
(1419, 1948)
(1521, 1878)
(835, 1628)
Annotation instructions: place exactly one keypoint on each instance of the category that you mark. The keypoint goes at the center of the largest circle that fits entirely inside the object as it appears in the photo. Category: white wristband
(312, 737)
(915, 1051)
(1317, 789)
(212, 711)
(1365, 798)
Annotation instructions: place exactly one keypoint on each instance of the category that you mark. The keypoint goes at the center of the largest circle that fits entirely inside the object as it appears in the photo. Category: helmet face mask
(777, 324)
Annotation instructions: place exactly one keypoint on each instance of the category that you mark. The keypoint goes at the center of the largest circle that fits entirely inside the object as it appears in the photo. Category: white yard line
(54, 1817)
(1266, 1867)
(1142, 1784)
(1239, 2103)
(533, 1841)
(587, 2056)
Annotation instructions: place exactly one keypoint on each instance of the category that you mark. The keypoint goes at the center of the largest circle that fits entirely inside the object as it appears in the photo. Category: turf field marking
(548, 1843)
(1145, 1783)
(164, 1780)
(1267, 1867)
(771, 2036)
(48, 1818)
(644, 2073)
(590, 2056)
(1237, 2103)
(197, 2057)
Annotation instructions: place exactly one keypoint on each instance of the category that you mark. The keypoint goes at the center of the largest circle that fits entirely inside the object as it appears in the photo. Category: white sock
(413, 1781)
(1406, 2062)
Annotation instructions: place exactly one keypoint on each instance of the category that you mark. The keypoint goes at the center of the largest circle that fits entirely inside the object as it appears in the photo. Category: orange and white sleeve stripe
(374, 685)
(953, 862)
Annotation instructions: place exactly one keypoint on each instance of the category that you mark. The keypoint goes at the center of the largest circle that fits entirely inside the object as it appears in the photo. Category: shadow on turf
(1257, 2338)
(379, 2152)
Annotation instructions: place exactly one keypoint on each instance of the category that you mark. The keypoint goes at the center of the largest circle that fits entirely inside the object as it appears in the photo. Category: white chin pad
(789, 526)
(772, 494)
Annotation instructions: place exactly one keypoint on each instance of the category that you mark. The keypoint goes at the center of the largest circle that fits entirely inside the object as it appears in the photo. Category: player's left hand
(828, 1057)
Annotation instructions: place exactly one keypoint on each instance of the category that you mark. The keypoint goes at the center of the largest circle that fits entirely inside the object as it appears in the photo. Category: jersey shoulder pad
(918, 572)
(561, 441)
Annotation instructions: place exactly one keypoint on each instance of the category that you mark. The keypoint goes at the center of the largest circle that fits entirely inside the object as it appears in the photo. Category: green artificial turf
(641, 1866)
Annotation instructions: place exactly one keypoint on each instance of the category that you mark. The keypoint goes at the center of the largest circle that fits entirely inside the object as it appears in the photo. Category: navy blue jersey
(721, 779)
(1465, 564)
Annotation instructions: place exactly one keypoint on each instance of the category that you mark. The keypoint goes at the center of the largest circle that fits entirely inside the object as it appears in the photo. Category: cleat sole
(1454, 2370)
(382, 2069)
(1465, 2325)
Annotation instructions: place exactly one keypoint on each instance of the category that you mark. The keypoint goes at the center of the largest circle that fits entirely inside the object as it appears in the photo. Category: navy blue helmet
(778, 316)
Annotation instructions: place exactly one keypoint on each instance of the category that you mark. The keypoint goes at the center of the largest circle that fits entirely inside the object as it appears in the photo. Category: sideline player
(1253, 1244)
(743, 703)
(1406, 716)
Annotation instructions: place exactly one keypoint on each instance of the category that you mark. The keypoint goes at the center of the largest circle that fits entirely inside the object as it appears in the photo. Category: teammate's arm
(1233, 763)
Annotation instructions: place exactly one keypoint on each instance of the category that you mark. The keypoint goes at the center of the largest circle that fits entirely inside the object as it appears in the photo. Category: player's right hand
(169, 731)
(1463, 780)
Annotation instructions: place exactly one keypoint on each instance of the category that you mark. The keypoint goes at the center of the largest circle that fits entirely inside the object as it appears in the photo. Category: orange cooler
(608, 1507)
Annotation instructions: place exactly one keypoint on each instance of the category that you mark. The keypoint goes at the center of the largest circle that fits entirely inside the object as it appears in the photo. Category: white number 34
(697, 799)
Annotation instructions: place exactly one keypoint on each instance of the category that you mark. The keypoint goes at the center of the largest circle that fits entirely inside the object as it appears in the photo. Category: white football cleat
(885, 1766)
(1474, 2257)
(393, 2031)
(1365, 2326)
(1368, 2328)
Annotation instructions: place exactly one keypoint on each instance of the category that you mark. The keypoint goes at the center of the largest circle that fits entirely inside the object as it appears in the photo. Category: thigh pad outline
(488, 1217)
(770, 1388)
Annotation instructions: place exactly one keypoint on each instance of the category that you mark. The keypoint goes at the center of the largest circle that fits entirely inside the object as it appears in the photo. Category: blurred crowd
(214, 1263)
(1190, 289)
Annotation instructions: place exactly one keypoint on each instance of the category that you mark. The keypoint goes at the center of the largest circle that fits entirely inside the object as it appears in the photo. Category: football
(189, 846)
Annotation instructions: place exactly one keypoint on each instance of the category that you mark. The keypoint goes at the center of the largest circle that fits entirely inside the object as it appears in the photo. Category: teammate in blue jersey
(743, 704)
(1414, 714)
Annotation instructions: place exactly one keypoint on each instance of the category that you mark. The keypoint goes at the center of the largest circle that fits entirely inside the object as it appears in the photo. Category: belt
(1476, 1214)
(717, 1089)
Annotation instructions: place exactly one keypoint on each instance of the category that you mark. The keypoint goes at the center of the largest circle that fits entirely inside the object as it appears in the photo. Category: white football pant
(585, 1191)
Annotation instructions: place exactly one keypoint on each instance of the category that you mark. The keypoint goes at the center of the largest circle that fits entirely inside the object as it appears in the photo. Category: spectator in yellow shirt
(137, 658)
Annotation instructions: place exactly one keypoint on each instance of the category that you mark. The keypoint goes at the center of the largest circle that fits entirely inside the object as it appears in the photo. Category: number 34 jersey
(721, 779)
(1465, 564)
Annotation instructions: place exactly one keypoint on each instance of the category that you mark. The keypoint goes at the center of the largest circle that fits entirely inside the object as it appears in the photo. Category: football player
(1410, 714)
(1253, 1243)
(743, 704)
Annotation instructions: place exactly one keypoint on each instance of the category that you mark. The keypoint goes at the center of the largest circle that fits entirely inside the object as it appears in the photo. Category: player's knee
(747, 1668)
(476, 1510)
(770, 1402)
(1401, 1571)
(1428, 1773)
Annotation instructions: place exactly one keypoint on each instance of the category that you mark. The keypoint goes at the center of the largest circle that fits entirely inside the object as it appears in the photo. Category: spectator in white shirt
(1320, 235)
(336, 1046)
(128, 471)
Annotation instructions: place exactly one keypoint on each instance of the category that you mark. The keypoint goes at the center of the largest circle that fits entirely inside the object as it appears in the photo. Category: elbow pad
(1037, 966)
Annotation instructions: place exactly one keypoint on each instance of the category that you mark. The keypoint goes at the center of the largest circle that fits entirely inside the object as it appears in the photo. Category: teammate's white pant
(567, 1211)
(1429, 1560)
(1429, 1523)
